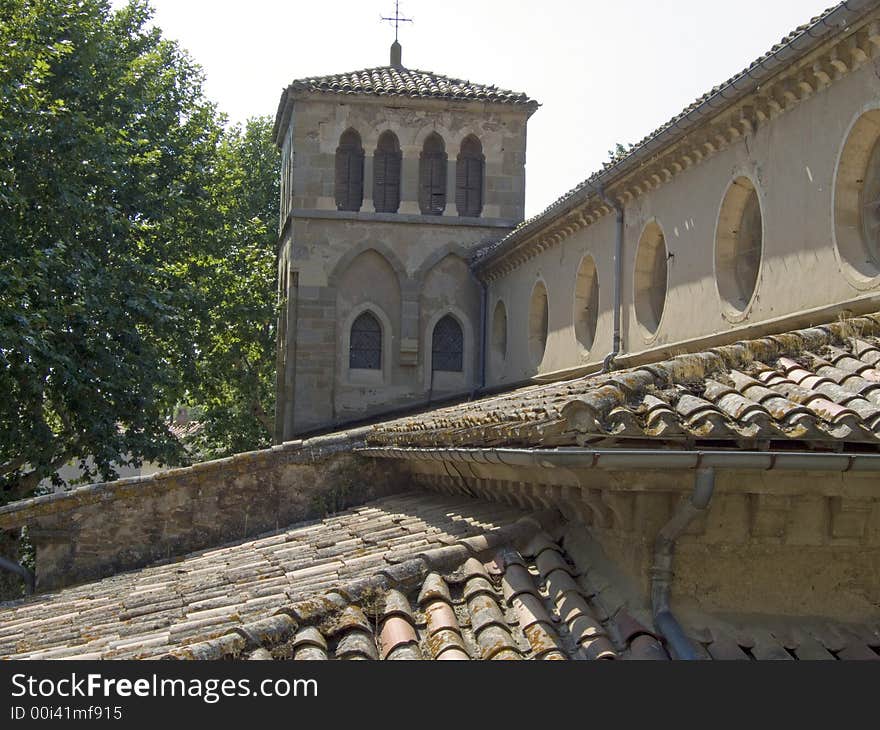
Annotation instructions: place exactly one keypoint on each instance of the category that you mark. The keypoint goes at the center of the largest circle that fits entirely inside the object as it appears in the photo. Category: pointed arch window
(365, 343)
(349, 172)
(432, 176)
(447, 346)
(386, 174)
(469, 178)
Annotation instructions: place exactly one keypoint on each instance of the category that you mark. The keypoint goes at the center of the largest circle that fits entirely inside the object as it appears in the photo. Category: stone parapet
(102, 529)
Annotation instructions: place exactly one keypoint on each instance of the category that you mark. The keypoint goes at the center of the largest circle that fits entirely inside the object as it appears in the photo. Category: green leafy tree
(107, 156)
(235, 272)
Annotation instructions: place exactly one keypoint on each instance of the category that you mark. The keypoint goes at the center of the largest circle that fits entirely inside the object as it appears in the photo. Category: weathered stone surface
(102, 529)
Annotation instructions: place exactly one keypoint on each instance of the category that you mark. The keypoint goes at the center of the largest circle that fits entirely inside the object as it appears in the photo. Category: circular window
(586, 303)
(857, 201)
(649, 279)
(538, 323)
(738, 246)
(499, 332)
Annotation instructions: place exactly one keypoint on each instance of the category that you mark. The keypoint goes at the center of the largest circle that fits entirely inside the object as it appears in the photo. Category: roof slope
(411, 83)
(818, 386)
(146, 612)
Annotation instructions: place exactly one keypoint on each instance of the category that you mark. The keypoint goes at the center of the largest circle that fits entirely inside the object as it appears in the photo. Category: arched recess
(349, 180)
(436, 256)
(650, 278)
(378, 247)
(449, 287)
(368, 283)
(586, 303)
(539, 308)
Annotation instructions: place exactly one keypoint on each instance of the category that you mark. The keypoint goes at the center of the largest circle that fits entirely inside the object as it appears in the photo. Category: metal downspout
(26, 575)
(661, 572)
(484, 338)
(608, 362)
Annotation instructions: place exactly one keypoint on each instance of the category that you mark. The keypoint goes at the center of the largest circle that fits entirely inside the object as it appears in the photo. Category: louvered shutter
(474, 186)
(432, 176)
(380, 164)
(469, 178)
(461, 174)
(438, 184)
(349, 172)
(356, 180)
(342, 181)
(386, 181)
(392, 181)
(425, 185)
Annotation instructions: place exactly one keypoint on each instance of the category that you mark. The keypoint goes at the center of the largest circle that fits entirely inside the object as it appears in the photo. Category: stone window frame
(361, 376)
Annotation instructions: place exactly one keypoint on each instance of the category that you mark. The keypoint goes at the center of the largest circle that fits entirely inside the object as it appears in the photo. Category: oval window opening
(586, 303)
(857, 201)
(538, 323)
(739, 244)
(650, 278)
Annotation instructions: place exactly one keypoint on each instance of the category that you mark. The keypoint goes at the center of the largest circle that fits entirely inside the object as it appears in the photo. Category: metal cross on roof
(397, 19)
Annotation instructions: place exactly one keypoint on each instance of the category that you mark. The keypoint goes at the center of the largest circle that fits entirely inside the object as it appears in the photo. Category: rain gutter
(622, 459)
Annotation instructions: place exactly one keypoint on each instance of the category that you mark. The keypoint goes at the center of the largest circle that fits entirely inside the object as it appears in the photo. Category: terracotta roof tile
(531, 602)
(407, 82)
(813, 386)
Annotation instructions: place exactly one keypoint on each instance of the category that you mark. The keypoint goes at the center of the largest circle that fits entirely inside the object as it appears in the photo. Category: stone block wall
(102, 529)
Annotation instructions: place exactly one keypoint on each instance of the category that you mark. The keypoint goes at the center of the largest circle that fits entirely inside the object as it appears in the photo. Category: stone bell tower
(390, 178)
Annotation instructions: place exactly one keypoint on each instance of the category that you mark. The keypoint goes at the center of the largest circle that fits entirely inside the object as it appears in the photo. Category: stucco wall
(792, 161)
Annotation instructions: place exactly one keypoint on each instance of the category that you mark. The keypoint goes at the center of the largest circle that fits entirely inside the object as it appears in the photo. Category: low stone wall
(101, 529)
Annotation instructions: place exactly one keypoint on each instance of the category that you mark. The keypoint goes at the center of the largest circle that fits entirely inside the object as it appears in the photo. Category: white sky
(605, 71)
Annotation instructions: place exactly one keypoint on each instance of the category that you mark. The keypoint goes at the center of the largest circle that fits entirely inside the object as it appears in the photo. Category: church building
(642, 424)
